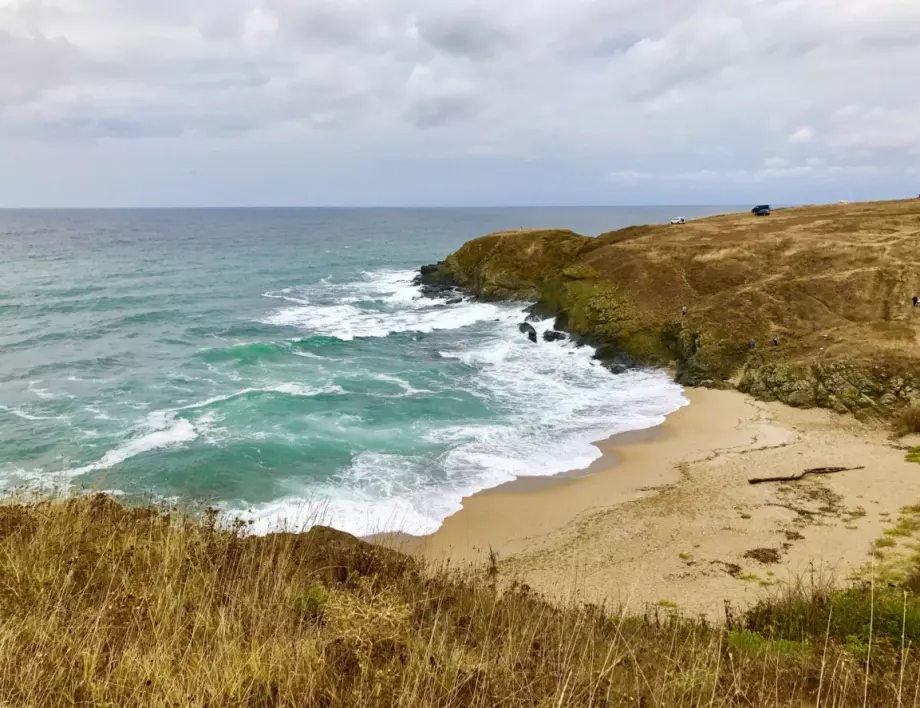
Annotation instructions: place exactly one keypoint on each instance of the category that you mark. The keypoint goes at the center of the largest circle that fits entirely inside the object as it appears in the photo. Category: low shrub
(908, 421)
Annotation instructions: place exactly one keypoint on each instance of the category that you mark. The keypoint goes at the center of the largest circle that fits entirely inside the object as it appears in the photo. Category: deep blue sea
(279, 364)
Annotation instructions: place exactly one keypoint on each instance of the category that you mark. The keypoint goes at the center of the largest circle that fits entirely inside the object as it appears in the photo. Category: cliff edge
(834, 284)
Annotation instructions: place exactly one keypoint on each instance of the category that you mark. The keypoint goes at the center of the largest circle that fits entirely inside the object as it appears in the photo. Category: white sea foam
(550, 402)
(348, 322)
(311, 355)
(377, 492)
(293, 389)
(334, 311)
(97, 414)
(44, 393)
(282, 296)
(407, 388)
(160, 429)
(165, 429)
(25, 415)
(555, 398)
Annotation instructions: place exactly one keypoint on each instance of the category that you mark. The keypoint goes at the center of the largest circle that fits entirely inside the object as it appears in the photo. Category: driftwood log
(797, 477)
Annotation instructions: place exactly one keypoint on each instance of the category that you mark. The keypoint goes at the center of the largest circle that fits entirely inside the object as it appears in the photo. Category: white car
(679, 220)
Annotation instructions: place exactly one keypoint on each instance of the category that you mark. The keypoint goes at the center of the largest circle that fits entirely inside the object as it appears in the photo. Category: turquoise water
(279, 363)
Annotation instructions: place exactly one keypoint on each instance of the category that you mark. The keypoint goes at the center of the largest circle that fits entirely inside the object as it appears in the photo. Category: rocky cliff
(834, 285)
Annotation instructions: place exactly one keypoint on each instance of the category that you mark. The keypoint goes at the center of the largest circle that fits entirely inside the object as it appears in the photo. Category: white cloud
(664, 86)
(802, 136)
(259, 25)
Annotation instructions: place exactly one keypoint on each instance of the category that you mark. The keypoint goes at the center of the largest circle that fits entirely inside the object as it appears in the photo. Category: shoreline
(608, 459)
(667, 515)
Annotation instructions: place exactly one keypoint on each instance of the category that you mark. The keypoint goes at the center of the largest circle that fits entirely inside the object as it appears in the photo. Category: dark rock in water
(618, 364)
(553, 336)
(527, 328)
(431, 274)
(533, 314)
(455, 301)
(436, 290)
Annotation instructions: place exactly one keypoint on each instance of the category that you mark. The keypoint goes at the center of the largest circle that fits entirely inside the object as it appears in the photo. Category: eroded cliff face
(864, 389)
(833, 284)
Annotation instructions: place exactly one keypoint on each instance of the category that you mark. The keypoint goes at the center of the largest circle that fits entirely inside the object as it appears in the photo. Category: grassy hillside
(834, 283)
(106, 606)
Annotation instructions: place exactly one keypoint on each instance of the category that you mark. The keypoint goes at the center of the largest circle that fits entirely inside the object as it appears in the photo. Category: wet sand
(668, 515)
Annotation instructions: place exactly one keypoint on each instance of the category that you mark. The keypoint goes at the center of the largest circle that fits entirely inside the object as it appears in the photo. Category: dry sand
(668, 516)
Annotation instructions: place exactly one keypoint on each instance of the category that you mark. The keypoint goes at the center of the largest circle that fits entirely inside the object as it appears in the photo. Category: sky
(119, 103)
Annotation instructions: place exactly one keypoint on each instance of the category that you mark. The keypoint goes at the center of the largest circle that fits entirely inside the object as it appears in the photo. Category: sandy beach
(668, 516)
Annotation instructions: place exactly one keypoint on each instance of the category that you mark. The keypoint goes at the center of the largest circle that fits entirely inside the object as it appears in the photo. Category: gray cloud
(33, 65)
(615, 92)
(470, 37)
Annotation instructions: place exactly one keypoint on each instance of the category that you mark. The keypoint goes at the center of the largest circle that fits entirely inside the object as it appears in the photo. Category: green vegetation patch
(753, 642)
(881, 612)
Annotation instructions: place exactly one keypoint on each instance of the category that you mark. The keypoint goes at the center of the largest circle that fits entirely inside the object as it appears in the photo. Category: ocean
(280, 365)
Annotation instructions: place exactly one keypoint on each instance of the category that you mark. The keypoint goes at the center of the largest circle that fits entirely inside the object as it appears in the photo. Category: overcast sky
(457, 102)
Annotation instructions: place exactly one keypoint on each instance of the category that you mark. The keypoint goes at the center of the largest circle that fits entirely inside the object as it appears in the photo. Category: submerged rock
(554, 336)
(436, 291)
(455, 301)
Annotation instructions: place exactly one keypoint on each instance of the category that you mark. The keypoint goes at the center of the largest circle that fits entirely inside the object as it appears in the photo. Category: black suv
(761, 210)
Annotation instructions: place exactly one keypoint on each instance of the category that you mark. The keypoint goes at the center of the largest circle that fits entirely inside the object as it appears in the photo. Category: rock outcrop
(834, 283)
(528, 329)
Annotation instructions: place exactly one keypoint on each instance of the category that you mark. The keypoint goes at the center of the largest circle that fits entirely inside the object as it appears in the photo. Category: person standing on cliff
(916, 300)
(752, 344)
(683, 310)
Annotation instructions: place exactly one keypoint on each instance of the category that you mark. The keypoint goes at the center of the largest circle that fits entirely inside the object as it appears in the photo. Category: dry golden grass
(833, 281)
(908, 421)
(106, 606)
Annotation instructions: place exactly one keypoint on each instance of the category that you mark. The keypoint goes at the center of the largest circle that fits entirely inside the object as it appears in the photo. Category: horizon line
(295, 206)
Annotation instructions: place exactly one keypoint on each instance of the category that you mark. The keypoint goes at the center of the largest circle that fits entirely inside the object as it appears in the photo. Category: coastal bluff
(833, 283)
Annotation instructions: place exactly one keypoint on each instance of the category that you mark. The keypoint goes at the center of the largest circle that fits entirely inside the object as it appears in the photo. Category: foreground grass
(103, 605)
